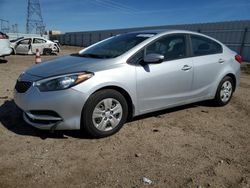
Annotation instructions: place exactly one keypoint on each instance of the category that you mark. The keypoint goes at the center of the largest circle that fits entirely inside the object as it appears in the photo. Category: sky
(85, 15)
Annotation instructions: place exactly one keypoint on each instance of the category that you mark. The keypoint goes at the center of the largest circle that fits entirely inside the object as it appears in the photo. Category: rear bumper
(5, 52)
(237, 75)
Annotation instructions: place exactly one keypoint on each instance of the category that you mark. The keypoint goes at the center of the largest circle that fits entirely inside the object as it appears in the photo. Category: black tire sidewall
(90, 105)
(47, 51)
(218, 100)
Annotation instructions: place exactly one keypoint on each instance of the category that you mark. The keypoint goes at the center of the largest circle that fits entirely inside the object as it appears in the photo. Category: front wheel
(104, 113)
(224, 92)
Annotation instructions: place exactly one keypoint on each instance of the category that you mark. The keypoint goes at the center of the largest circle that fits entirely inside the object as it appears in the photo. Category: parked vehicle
(29, 46)
(126, 76)
(5, 49)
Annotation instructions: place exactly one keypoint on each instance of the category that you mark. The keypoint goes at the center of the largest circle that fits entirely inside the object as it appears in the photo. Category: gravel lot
(190, 146)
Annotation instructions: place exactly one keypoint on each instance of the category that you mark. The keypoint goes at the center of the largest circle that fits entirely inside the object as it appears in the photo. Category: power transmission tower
(15, 28)
(4, 26)
(34, 18)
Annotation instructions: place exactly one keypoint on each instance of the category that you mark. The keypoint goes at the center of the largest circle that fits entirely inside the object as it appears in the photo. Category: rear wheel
(104, 113)
(224, 91)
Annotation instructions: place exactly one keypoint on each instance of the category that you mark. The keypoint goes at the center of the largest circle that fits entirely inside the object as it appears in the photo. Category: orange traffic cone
(38, 57)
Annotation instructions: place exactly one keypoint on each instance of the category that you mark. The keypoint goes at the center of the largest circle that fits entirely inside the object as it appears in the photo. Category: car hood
(69, 64)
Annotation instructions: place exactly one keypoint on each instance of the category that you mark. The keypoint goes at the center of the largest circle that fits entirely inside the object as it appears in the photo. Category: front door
(169, 82)
(23, 46)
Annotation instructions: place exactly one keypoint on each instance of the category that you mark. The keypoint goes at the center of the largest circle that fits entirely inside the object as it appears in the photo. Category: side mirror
(153, 58)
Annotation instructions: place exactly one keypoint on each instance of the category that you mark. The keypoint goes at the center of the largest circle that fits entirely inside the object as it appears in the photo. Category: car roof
(156, 31)
(32, 37)
(164, 31)
(173, 31)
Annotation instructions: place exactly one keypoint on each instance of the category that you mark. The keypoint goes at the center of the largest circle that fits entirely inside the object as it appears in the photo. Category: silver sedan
(124, 76)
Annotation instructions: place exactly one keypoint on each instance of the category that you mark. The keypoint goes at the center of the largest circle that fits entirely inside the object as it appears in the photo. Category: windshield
(14, 40)
(116, 46)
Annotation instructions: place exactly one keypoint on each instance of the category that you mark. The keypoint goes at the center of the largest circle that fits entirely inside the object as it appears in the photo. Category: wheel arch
(221, 77)
(231, 75)
(131, 108)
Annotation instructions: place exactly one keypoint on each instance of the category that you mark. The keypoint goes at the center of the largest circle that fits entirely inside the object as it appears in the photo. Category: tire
(104, 113)
(224, 91)
(47, 51)
(57, 50)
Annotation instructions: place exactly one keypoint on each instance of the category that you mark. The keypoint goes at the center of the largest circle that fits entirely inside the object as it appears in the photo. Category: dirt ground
(197, 145)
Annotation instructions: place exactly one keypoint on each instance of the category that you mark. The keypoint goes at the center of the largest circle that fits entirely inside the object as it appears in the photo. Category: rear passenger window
(36, 41)
(204, 46)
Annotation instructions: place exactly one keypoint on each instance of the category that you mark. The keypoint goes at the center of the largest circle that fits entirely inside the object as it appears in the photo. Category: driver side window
(25, 41)
(172, 47)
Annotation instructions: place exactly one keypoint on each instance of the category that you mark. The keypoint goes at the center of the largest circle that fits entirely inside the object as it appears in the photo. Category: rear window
(204, 46)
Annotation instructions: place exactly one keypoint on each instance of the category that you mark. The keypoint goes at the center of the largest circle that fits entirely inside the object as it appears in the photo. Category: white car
(4, 45)
(28, 45)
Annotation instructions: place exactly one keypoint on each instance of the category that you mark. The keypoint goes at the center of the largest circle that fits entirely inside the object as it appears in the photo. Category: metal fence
(235, 34)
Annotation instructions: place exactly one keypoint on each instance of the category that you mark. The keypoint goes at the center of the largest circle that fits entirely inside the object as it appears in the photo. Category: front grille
(22, 86)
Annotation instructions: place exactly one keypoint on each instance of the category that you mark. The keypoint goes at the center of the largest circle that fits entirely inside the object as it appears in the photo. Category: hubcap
(226, 91)
(107, 114)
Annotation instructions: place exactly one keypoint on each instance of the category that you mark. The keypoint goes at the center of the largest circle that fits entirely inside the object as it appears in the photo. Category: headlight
(62, 82)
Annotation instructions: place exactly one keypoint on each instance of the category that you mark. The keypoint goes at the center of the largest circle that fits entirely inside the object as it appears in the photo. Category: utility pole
(34, 19)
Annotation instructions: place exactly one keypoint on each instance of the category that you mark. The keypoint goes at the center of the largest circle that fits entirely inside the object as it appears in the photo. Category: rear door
(23, 46)
(167, 83)
(208, 61)
(38, 44)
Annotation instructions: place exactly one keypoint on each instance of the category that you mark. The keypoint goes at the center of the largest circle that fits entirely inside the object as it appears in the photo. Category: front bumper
(58, 110)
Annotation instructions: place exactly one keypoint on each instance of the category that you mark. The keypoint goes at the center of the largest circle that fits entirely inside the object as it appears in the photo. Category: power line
(114, 6)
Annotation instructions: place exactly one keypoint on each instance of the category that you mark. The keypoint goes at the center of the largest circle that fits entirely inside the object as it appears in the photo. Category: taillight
(238, 58)
(3, 36)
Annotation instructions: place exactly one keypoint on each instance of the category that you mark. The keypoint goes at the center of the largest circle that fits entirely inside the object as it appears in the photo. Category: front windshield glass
(116, 46)
(14, 40)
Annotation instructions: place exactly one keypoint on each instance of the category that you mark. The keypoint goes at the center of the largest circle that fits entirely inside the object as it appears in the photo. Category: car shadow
(11, 119)
(158, 114)
(2, 61)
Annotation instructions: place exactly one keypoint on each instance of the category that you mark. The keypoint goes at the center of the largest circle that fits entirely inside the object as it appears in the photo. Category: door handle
(221, 61)
(186, 67)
